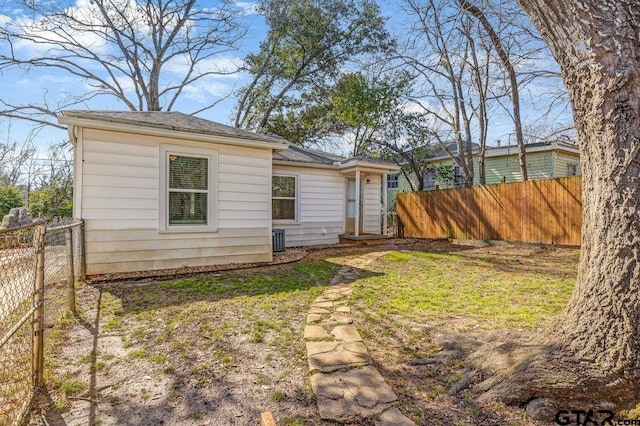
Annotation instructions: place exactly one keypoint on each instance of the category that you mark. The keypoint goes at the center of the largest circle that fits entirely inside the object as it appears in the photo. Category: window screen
(188, 190)
(283, 196)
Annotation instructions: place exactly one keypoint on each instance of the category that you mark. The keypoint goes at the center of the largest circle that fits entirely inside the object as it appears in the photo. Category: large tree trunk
(591, 355)
(597, 44)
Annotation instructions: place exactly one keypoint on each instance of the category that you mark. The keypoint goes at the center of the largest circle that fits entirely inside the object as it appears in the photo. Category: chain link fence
(35, 260)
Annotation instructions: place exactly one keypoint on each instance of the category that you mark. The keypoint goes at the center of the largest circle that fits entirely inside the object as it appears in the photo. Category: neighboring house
(545, 160)
(160, 190)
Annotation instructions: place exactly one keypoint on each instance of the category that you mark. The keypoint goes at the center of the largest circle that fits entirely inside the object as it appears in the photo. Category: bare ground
(199, 362)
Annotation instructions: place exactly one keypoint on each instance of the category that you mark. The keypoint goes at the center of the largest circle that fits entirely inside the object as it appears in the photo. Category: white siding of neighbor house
(372, 204)
(320, 204)
(120, 205)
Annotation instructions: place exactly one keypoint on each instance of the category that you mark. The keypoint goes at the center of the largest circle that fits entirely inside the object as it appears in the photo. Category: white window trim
(577, 169)
(296, 220)
(212, 197)
(396, 180)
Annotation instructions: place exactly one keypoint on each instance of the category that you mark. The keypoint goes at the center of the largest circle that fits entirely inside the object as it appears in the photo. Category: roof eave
(303, 164)
(177, 134)
(367, 164)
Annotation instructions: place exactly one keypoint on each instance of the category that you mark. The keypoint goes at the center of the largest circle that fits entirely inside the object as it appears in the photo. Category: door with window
(351, 207)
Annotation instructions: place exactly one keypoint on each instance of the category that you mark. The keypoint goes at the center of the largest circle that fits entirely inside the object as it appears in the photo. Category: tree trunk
(590, 355)
(597, 44)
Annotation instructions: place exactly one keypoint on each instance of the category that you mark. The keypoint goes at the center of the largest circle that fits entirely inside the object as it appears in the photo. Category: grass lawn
(422, 312)
(222, 348)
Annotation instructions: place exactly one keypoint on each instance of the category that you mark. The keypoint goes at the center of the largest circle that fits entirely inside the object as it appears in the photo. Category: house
(325, 196)
(159, 190)
(545, 160)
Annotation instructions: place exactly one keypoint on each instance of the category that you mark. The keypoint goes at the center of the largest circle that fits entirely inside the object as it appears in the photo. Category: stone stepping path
(347, 386)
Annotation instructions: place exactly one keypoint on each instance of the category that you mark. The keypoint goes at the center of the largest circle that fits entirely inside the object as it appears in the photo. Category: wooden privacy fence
(540, 211)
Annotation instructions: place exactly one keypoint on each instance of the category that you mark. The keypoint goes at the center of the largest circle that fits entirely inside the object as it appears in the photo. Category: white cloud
(48, 37)
(248, 8)
(207, 91)
(226, 65)
(4, 20)
(57, 79)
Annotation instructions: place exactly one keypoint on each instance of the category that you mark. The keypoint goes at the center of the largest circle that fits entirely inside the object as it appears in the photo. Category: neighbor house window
(283, 196)
(572, 169)
(392, 181)
(429, 180)
(459, 178)
(188, 193)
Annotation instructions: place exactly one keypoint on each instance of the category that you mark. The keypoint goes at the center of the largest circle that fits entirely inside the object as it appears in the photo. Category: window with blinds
(283, 197)
(188, 190)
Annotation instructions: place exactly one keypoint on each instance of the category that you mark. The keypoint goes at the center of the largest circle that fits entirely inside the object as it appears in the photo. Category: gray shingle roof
(305, 155)
(297, 154)
(170, 120)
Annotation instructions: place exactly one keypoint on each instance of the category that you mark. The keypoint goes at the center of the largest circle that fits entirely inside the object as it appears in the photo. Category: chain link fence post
(38, 303)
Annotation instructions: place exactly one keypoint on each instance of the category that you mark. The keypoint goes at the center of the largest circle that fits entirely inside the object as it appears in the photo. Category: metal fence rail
(33, 257)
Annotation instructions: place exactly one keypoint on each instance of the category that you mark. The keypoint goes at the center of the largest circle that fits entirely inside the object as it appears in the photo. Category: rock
(315, 332)
(393, 417)
(332, 356)
(313, 318)
(341, 317)
(322, 305)
(9, 221)
(352, 395)
(347, 333)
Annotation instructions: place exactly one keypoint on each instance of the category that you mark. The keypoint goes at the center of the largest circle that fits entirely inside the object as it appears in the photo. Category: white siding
(321, 203)
(121, 201)
(321, 206)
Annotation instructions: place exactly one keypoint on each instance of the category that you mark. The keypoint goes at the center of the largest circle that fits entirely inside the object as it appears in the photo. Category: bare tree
(13, 157)
(143, 53)
(440, 58)
(513, 79)
(475, 60)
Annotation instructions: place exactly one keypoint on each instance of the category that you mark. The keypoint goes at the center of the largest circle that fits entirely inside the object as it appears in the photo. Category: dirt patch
(220, 347)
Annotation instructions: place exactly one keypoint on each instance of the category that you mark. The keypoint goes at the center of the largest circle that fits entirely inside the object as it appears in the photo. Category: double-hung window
(188, 190)
(392, 181)
(283, 197)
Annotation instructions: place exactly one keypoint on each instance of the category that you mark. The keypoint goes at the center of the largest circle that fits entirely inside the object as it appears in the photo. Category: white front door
(351, 207)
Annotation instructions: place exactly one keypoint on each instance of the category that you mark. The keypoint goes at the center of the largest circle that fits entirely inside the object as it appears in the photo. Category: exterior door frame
(350, 197)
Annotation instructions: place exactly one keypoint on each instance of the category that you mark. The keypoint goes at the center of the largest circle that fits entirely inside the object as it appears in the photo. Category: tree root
(544, 379)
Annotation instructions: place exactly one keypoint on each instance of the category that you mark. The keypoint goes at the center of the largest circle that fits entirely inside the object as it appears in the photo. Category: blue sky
(38, 85)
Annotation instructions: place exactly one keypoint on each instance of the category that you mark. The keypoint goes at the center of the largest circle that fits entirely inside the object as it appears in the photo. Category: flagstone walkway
(348, 387)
